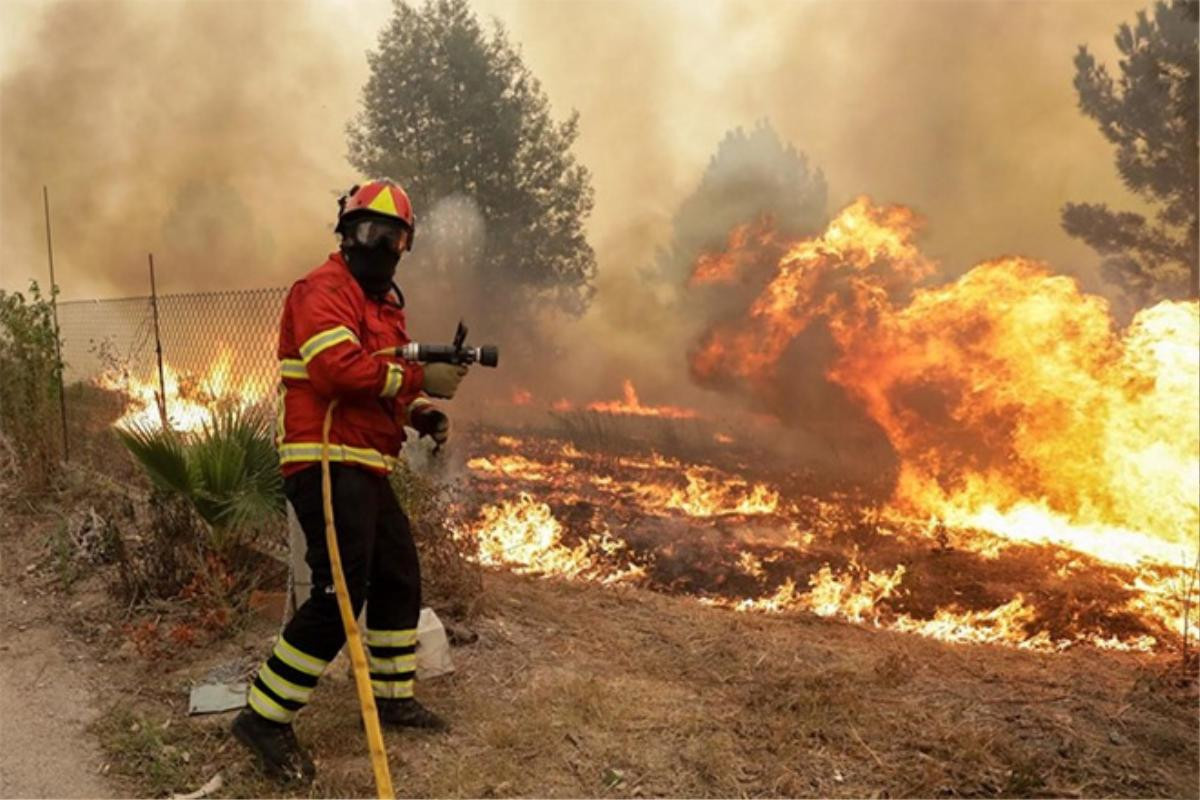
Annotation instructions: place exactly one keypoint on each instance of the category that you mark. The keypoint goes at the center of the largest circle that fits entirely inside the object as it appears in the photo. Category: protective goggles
(378, 232)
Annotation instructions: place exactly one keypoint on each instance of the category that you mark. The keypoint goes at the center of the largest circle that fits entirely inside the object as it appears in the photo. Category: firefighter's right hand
(442, 380)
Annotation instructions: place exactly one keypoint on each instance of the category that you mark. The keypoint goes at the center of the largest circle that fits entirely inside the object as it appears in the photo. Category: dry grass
(574, 690)
(451, 579)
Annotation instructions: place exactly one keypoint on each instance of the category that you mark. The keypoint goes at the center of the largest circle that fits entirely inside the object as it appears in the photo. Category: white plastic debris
(212, 698)
(433, 648)
(214, 785)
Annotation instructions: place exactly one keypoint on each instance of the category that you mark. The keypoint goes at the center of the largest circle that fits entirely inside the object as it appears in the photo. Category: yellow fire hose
(354, 645)
(358, 659)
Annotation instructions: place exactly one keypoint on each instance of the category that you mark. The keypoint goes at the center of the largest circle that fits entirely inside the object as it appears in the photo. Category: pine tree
(1150, 115)
(750, 176)
(451, 112)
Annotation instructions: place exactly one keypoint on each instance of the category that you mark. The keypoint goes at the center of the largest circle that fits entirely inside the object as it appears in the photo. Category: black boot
(275, 744)
(408, 713)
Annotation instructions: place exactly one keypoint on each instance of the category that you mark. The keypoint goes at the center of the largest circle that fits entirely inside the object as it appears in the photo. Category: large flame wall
(1009, 396)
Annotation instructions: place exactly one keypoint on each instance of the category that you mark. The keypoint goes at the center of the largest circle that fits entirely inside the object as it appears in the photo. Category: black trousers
(380, 563)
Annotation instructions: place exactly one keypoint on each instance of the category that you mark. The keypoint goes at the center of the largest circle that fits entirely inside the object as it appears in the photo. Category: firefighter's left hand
(429, 421)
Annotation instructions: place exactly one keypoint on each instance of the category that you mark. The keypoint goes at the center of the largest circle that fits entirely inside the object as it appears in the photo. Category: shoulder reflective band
(395, 379)
(293, 368)
(325, 340)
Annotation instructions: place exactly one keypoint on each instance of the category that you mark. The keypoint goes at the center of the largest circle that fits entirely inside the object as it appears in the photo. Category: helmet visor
(380, 232)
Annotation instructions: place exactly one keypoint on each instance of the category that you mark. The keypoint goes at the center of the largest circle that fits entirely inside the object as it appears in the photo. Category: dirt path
(45, 706)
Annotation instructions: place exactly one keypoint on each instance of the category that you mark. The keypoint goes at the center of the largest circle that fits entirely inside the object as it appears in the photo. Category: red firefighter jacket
(329, 332)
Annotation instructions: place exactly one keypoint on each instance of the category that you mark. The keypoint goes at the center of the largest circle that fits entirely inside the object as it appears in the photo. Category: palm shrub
(228, 471)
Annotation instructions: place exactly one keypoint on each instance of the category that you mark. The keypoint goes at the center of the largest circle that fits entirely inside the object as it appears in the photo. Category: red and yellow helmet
(377, 198)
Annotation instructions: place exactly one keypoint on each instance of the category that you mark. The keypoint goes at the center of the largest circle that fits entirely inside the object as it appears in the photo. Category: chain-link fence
(214, 344)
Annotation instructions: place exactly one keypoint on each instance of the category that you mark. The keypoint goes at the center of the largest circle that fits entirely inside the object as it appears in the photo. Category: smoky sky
(212, 133)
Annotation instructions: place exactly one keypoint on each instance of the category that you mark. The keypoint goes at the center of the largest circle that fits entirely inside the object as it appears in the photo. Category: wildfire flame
(630, 405)
(1013, 403)
(191, 400)
(1029, 430)
(731, 264)
(524, 536)
(1021, 416)
(555, 510)
(708, 492)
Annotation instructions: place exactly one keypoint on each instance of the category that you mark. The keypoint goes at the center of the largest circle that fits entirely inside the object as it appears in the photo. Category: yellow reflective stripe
(324, 340)
(267, 707)
(307, 451)
(394, 665)
(418, 402)
(283, 687)
(297, 659)
(395, 378)
(293, 368)
(392, 690)
(402, 638)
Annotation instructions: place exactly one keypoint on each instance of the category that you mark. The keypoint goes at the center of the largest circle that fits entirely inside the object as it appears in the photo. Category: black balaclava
(373, 267)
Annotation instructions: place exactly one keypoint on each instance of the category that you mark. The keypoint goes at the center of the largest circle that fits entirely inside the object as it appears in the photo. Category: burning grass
(743, 540)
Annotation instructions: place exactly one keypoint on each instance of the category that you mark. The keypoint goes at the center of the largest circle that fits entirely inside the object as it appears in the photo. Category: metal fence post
(162, 383)
(62, 391)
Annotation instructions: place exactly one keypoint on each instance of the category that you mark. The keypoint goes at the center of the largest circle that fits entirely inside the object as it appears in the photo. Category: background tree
(751, 176)
(1150, 114)
(459, 120)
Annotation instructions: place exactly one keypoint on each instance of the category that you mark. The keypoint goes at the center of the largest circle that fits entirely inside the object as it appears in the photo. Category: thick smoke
(213, 135)
(186, 129)
(985, 142)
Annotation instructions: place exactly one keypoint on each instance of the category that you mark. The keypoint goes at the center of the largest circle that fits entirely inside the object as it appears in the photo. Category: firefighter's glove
(442, 380)
(429, 421)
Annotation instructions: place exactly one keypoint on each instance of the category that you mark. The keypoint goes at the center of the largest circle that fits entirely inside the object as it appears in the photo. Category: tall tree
(1150, 115)
(453, 112)
(752, 175)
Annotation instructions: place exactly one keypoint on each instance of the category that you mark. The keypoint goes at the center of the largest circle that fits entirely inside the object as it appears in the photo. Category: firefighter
(334, 320)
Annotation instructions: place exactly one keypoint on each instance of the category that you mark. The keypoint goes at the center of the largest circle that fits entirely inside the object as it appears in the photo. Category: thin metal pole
(162, 383)
(62, 392)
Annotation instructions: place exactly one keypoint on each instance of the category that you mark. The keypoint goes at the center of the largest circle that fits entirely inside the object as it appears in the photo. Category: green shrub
(29, 387)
